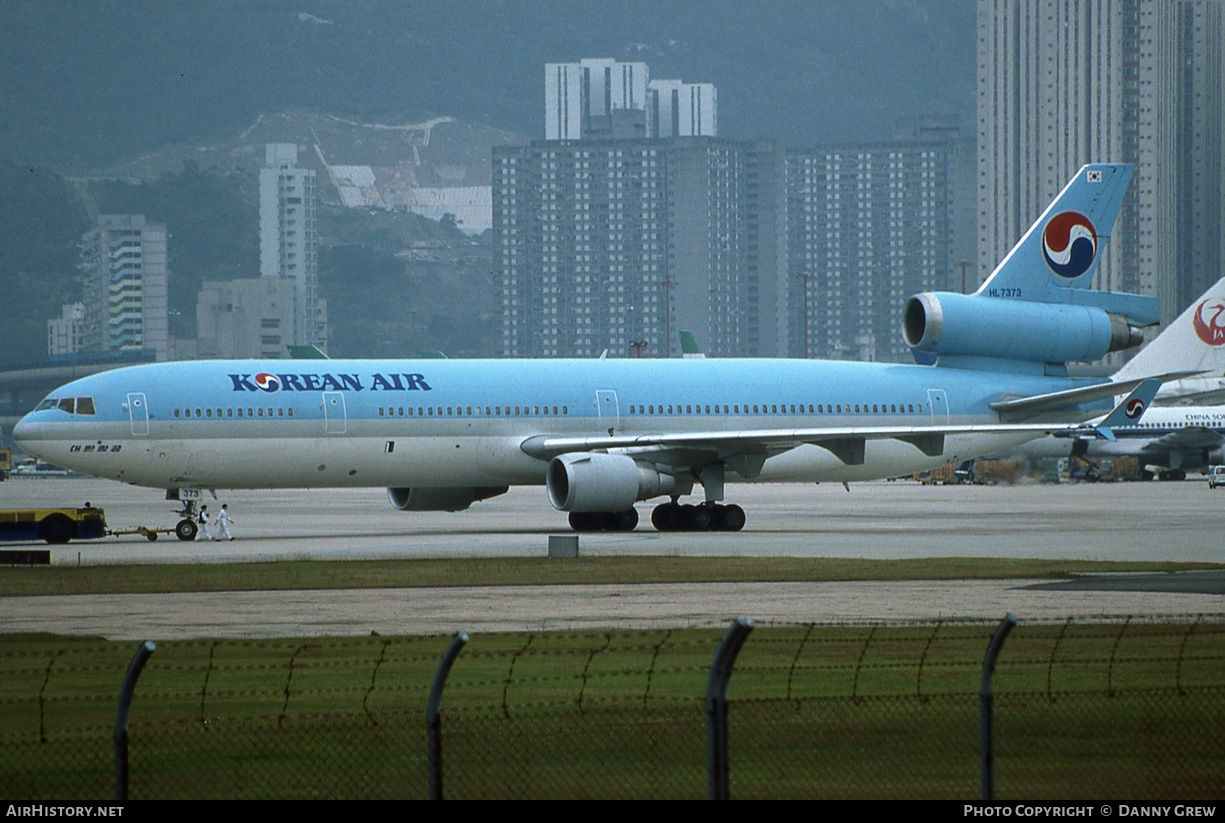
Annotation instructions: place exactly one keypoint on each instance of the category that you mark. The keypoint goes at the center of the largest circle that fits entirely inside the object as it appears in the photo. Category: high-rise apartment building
(245, 318)
(631, 221)
(599, 98)
(595, 97)
(868, 225)
(1201, 156)
(1065, 82)
(124, 279)
(288, 242)
(679, 109)
(64, 332)
(617, 244)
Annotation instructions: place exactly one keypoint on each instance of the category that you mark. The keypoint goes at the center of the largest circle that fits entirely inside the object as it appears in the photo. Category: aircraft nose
(21, 431)
(27, 433)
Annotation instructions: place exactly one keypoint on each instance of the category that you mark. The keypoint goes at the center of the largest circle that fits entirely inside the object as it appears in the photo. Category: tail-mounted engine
(959, 325)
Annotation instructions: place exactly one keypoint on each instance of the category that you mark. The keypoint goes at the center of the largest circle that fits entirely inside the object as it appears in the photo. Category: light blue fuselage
(445, 423)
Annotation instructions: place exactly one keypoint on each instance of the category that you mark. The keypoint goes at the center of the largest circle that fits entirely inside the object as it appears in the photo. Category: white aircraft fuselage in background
(1173, 438)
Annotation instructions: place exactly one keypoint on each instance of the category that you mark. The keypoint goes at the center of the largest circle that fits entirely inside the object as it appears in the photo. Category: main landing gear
(667, 517)
(673, 516)
(604, 521)
(703, 517)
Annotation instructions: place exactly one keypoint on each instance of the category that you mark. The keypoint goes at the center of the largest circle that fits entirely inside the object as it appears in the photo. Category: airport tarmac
(1128, 521)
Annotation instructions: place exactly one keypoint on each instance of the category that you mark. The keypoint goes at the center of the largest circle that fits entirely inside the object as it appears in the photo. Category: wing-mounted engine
(440, 498)
(956, 325)
(596, 482)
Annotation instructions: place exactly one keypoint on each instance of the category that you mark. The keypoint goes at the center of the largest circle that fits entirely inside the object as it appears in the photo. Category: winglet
(1130, 410)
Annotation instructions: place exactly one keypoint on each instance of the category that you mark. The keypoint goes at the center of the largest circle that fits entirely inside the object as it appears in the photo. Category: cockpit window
(72, 405)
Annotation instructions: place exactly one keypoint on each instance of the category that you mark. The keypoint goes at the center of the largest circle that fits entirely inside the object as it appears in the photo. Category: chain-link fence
(1083, 709)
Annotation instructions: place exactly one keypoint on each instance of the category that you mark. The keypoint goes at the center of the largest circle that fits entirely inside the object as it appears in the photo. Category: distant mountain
(41, 222)
(85, 84)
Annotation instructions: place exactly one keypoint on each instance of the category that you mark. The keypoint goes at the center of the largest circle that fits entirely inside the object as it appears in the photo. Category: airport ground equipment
(148, 533)
(54, 525)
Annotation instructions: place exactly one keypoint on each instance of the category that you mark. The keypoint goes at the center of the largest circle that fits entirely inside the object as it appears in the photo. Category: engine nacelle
(440, 498)
(593, 482)
(957, 324)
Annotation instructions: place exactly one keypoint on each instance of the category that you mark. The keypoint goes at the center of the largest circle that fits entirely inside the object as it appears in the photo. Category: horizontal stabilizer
(1021, 408)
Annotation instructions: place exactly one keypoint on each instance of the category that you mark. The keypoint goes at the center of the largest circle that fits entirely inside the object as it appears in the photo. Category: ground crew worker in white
(223, 523)
(204, 533)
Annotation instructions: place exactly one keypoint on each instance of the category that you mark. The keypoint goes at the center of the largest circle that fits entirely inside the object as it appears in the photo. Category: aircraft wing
(746, 449)
(1189, 438)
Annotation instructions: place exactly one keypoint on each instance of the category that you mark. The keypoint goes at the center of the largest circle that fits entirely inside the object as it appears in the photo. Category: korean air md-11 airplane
(601, 435)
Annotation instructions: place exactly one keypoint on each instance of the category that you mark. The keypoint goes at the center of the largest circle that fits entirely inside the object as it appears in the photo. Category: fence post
(433, 715)
(123, 714)
(986, 709)
(718, 774)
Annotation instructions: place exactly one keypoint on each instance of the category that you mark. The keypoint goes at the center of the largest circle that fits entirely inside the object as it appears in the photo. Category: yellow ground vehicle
(56, 526)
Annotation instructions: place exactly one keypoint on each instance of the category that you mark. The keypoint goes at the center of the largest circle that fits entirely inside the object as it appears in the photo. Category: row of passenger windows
(762, 408)
(271, 412)
(782, 408)
(472, 411)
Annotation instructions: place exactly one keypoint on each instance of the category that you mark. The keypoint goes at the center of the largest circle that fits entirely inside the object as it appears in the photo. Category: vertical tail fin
(1193, 342)
(1063, 247)
(689, 345)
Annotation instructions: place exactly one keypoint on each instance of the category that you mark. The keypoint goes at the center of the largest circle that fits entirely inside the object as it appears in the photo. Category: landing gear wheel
(700, 518)
(186, 530)
(730, 518)
(625, 521)
(664, 517)
(582, 521)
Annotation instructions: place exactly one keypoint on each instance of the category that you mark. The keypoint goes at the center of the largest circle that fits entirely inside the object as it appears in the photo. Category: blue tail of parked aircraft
(1036, 312)
(1063, 248)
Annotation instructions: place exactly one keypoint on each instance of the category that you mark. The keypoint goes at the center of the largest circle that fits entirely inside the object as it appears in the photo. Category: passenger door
(335, 418)
(138, 413)
(607, 409)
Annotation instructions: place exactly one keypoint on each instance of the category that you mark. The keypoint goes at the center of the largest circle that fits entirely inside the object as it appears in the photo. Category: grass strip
(1083, 710)
(529, 571)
